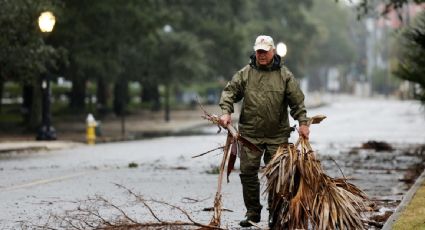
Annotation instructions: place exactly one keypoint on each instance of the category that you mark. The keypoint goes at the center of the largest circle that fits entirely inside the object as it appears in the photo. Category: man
(268, 89)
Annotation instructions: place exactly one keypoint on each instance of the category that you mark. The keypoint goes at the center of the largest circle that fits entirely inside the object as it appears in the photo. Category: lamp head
(46, 21)
(281, 49)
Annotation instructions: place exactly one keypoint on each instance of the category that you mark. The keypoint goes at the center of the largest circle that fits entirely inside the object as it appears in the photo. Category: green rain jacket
(267, 93)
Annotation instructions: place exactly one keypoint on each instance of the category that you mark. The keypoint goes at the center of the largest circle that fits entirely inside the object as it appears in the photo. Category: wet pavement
(385, 176)
(33, 185)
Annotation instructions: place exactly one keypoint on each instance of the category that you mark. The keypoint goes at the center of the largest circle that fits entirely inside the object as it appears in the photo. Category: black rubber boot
(251, 197)
(246, 222)
(271, 222)
(251, 194)
(271, 213)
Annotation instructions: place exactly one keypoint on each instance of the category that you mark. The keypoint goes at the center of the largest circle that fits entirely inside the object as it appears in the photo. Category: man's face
(264, 57)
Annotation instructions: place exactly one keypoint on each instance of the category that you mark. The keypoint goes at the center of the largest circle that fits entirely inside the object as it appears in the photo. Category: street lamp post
(46, 22)
(167, 29)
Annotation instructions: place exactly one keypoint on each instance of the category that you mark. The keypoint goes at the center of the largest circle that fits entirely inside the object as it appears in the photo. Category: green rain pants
(250, 164)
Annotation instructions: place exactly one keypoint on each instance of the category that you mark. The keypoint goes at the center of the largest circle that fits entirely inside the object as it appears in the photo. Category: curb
(33, 146)
(405, 202)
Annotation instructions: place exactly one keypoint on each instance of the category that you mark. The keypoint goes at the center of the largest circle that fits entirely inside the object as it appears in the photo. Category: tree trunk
(150, 94)
(167, 102)
(102, 96)
(121, 97)
(32, 105)
(1, 92)
(78, 94)
(26, 107)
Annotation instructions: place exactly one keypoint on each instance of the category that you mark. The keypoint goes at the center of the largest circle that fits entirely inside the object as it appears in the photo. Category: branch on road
(99, 212)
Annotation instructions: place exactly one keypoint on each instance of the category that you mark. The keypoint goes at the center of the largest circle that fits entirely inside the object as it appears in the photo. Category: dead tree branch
(88, 215)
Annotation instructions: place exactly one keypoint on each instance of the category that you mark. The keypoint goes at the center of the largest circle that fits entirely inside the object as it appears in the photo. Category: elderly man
(267, 88)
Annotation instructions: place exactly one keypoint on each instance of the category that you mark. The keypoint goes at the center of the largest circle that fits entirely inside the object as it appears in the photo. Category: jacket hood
(276, 63)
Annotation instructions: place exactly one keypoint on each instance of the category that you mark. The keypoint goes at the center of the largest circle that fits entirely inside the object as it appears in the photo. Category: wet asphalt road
(33, 185)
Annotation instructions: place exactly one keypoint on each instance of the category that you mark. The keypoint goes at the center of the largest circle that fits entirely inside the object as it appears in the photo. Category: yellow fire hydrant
(91, 129)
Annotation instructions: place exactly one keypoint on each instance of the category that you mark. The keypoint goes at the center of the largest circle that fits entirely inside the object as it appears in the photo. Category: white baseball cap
(264, 42)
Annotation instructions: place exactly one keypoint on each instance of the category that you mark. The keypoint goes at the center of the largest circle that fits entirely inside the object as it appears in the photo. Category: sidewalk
(20, 146)
(144, 124)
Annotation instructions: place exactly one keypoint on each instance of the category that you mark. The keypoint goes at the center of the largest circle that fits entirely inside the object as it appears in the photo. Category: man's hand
(304, 131)
(225, 120)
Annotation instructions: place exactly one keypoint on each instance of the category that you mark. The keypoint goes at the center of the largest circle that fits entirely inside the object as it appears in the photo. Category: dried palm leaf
(229, 158)
(303, 196)
(232, 158)
(215, 119)
(216, 219)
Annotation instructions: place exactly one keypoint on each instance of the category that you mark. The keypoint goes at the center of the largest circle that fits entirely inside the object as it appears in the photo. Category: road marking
(44, 181)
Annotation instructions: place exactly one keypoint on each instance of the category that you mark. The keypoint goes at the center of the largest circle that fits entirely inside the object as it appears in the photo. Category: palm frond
(303, 196)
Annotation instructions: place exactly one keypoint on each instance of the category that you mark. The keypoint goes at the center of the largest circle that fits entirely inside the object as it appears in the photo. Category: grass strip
(413, 217)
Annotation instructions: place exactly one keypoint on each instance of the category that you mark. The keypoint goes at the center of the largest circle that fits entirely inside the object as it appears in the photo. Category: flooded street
(33, 185)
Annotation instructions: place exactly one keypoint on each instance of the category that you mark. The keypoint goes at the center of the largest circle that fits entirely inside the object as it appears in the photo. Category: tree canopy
(366, 7)
(23, 52)
(159, 42)
(411, 64)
